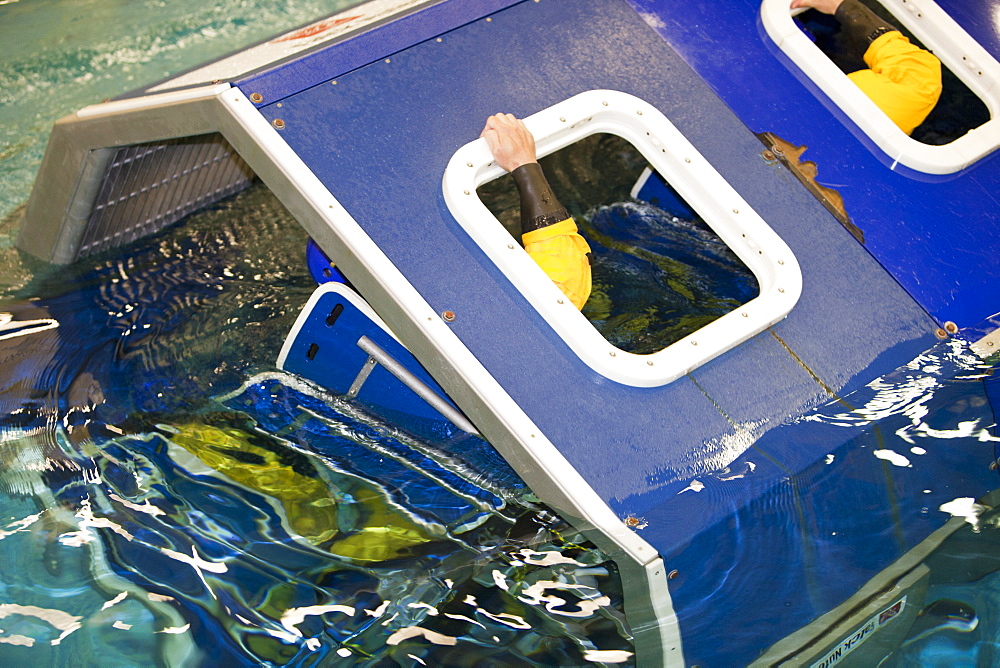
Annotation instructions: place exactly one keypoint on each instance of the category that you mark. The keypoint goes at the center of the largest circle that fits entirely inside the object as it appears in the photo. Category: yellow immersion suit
(562, 254)
(904, 80)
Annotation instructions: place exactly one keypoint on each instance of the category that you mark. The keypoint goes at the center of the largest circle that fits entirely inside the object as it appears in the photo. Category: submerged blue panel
(938, 236)
(325, 350)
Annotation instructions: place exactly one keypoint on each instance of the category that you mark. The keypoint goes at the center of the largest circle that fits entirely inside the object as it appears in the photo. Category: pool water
(168, 497)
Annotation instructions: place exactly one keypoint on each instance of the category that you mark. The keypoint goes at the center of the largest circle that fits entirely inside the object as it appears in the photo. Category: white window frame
(705, 190)
(956, 49)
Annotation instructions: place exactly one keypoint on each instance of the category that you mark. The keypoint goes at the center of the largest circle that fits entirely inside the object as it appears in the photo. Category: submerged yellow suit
(904, 80)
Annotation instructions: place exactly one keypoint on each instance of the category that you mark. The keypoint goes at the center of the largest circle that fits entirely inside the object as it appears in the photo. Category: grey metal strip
(420, 387)
(362, 376)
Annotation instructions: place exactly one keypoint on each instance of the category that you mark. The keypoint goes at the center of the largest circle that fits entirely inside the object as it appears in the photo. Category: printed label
(867, 630)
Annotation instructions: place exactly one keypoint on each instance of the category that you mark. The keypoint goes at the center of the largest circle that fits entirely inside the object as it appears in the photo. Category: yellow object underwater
(312, 509)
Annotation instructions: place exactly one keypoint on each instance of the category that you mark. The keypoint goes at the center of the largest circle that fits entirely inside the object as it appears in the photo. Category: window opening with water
(660, 272)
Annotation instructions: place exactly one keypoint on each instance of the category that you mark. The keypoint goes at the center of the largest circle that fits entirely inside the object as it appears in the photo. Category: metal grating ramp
(147, 187)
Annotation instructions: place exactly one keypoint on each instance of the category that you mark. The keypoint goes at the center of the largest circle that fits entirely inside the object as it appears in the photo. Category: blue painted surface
(326, 351)
(380, 140)
(939, 237)
(316, 67)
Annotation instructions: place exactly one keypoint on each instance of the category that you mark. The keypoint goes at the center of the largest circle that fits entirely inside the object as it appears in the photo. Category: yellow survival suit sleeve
(904, 80)
(550, 236)
(562, 254)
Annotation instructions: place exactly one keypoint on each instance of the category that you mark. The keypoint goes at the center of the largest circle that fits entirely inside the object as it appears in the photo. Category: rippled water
(166, 496)
(169, 496)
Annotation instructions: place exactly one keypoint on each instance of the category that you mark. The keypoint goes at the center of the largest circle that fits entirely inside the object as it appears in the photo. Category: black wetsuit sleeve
(862, 25)
(539, 206)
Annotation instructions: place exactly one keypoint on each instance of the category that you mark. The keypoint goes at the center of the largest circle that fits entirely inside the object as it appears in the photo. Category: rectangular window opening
(676, 283)
(660, 271)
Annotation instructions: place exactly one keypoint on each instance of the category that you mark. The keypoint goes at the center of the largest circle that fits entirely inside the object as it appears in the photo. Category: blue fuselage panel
(380, 138)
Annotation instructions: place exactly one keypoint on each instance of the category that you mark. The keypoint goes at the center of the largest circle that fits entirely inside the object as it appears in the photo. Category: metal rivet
(649, 364)
(256, 98)
(940, 333)
(279, 105)
(278, 123)
(950, 327)
(736, 210)
(439, 39)
(613, 354)
(694, 343)
(768, 155)
(510, 246)
(388, 60)
(449, 316)
(687, 159)
(559, 301)
(639, 111)
(781, 289)
(466, 192)
(989, 344)
(489, 20)
(562, 118)
(993, 466)
(745, 314)
(781, 262)
(468, 164)
(672, 574)
(604, 103)
(334, 82)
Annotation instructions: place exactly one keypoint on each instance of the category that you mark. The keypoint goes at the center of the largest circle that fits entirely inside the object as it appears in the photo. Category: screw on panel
(278, 123)
(950, 327)
(940, 333)
(256, 98)
(448, 316)
(768, 155)
(672, 575)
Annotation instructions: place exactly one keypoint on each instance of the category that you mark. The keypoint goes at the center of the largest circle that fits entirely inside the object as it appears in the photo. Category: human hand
(824, 6)
(510, 141)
